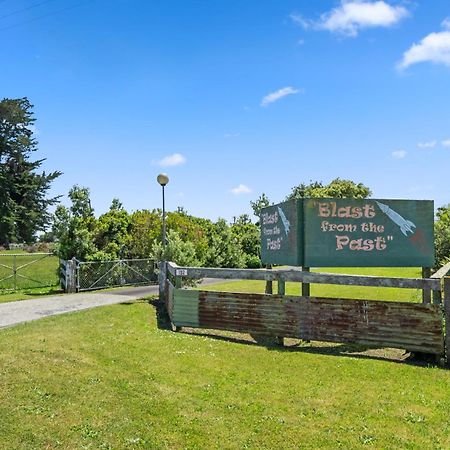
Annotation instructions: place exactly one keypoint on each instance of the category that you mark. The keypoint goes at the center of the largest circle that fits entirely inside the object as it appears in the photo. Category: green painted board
(369, 232)
(282, 234)
(350, 232)
(185, 308)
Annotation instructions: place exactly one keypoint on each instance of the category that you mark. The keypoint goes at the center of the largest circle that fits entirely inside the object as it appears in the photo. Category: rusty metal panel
(414, 327)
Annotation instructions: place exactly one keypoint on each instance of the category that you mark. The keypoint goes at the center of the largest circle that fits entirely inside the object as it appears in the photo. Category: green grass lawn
(35, 279)
(335, 291)
(109, 378)
(28, 294)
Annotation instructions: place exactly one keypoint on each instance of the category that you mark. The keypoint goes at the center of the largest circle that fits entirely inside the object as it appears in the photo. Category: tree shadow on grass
(133, 302)
(345, 350)
(364, 352)
(52, 291)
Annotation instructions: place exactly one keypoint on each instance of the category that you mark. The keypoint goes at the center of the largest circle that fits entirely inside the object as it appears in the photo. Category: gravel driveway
(13, 313)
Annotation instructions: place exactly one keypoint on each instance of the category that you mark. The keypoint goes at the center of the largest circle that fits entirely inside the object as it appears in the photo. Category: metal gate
(28, 270)
(123, 272)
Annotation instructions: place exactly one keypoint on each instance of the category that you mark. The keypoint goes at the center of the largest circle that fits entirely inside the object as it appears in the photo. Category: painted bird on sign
(406, 226)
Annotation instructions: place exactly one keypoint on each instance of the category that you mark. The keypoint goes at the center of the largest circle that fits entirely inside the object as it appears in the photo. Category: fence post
(269, 283)
(162, 278)
(281, 291)
(426, 292)
(437, 297)
(122, 280)
(306, 289)
(71, 276)
(447, 319)
(15, 271)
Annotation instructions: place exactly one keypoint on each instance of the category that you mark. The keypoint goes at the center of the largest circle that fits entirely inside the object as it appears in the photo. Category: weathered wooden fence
(417, 327)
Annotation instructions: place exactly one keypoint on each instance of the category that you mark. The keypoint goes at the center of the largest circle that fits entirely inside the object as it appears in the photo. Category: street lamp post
(163, 180)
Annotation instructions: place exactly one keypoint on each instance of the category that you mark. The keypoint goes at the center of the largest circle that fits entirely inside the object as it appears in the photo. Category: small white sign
(181, 272)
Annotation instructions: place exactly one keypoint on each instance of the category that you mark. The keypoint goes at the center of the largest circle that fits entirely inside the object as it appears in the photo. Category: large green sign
(350, 232)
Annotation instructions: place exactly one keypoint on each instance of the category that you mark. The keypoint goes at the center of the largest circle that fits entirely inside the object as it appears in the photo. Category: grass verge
(110, 378)
(28, 294)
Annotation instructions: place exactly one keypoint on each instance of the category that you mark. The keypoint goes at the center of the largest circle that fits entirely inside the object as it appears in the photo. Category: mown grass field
(109, 378)
(33, 280)
(335, 291)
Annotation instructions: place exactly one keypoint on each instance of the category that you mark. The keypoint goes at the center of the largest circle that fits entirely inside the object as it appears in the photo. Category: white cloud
(241, 189)
(446, 23)
(398, 154)
(352, 16)
(446, 143)
(172, 160)
(277, 95)
(434, 48)
(428, 144)
(302, 21)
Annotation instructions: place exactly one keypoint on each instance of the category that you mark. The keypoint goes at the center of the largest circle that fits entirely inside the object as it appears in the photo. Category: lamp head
(162, 179)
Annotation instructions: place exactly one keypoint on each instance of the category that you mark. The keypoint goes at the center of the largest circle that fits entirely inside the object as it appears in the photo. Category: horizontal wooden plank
(442, 272)
(306, 277)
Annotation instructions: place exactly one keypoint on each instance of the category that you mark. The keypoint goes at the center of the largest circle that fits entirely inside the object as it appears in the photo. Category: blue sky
(233, 98)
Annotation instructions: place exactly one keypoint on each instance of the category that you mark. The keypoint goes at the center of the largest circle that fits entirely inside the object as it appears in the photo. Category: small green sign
(350, 232)
(282, 234)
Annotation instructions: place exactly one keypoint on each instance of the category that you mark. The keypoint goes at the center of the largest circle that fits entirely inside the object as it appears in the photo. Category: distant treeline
(118, 234)
(191, 240)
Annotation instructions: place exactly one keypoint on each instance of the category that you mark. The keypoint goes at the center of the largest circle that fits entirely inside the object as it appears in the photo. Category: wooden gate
(417, 327)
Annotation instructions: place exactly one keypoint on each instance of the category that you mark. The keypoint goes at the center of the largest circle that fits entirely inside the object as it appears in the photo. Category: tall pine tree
(23, 191)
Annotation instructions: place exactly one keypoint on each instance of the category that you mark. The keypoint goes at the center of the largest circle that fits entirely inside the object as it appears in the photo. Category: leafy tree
(74, 227)
(177, 250)
(305, 190)
(145, 228)
(224, 249)
(261, 202)
(190, 229)
(336, 189)
(111, 232)
(23, 191)
(248, 236)
(442, 235)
